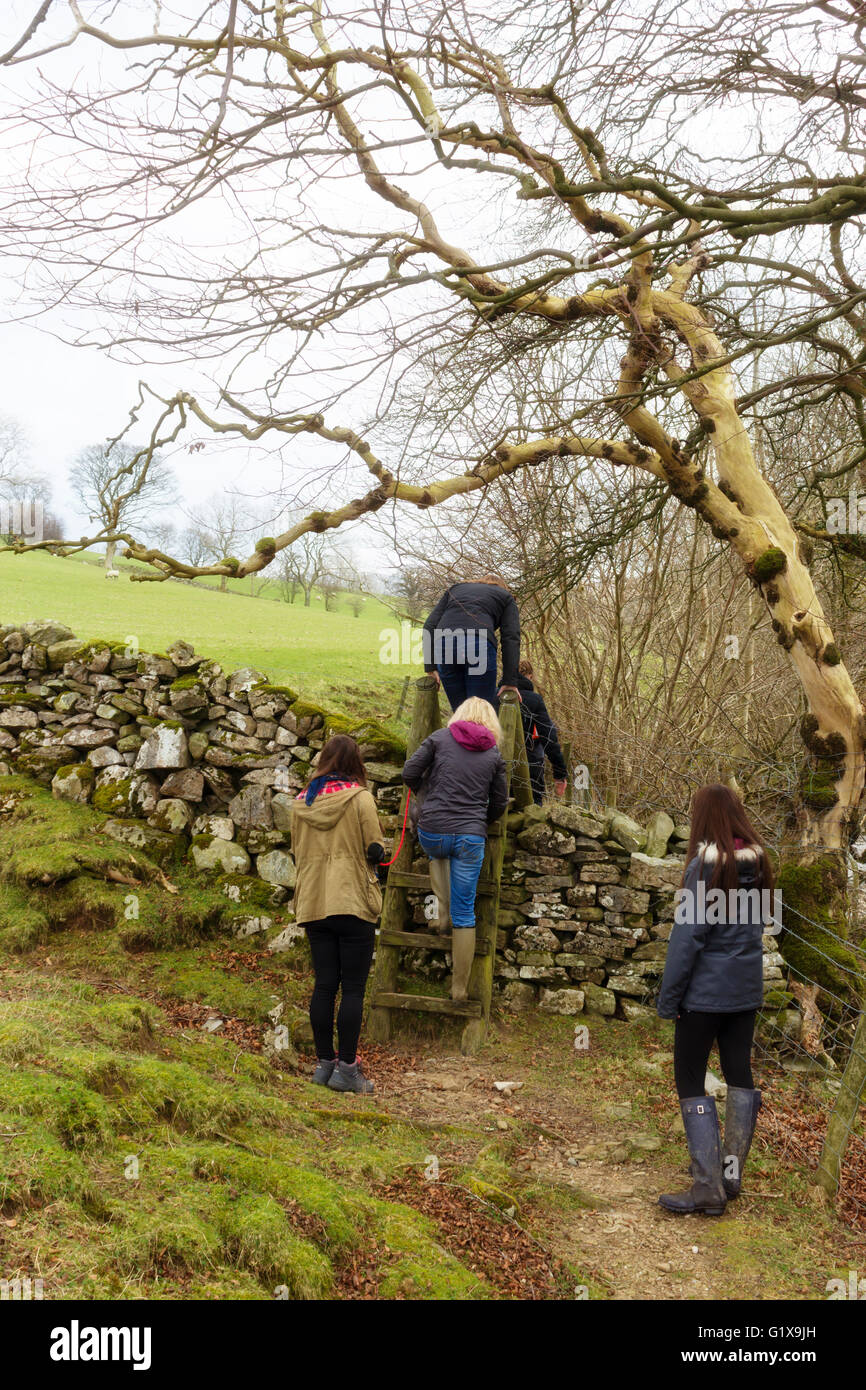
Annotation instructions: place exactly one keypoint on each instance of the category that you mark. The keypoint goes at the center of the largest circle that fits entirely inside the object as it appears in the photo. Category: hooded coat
(329, 843)
(463, 778)
(539, 730)
(715, 966)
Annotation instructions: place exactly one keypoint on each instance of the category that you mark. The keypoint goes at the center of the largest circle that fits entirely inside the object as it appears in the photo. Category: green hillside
(332, 657)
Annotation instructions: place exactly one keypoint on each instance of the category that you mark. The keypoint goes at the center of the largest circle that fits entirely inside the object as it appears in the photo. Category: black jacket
(469, 607)
(539, 730)
(715, 959)
(464, 788)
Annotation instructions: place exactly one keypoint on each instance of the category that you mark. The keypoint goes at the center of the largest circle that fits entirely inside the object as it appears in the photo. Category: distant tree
(304, 565)
(25, 496)
(217, 530)
(193, 546)
(331, 586)
(121, 486)
(416, 585)
(164, 535)
(287, 580)
(356, 603)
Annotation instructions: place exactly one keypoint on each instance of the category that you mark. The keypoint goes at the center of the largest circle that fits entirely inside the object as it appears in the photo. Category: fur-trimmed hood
(708, 850)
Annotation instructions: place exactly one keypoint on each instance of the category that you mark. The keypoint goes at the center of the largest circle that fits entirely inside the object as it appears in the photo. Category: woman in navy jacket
(539, 735)
(713, 988)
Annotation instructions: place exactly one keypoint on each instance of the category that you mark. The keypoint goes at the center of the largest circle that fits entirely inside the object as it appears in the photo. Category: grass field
(330, 657)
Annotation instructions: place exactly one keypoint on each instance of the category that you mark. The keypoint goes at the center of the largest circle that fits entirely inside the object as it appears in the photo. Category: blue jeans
(475, 676)
(466, 853)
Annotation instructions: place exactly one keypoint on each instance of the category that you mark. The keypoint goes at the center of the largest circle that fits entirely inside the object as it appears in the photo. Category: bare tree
(216, 532)
(304, 566)
(618, 240)
(121, 487)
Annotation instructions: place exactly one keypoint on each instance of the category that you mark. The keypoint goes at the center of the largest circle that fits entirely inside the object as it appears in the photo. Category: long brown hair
(718, 818)
(341, 757)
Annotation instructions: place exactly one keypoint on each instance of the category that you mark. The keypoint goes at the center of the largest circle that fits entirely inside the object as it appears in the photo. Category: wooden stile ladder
(393, 934)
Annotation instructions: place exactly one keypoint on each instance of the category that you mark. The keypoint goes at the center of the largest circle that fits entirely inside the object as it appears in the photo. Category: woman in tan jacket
(337, 843)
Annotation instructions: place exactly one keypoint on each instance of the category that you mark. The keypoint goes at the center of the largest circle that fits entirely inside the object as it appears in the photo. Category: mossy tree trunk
(814, 890)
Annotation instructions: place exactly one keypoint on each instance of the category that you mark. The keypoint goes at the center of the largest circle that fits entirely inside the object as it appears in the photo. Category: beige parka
(329, 844)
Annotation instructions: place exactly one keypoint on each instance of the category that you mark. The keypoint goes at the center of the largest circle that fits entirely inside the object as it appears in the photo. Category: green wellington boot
(440, 882)
(462, 955)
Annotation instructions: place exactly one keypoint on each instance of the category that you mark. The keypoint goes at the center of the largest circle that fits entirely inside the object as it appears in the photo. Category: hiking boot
(741, 1116)
(707, 1192)
(324, 1070)
(348, 1076)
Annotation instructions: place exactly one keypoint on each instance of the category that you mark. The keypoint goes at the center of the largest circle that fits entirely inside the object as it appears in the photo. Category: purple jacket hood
(471, 735)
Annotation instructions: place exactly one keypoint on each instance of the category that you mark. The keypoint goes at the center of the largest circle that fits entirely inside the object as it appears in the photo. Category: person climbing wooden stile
(460, 640)
(462, 776)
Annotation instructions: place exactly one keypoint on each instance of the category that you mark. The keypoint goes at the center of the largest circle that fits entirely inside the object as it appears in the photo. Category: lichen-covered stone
(140, 835)
(286, 940)
(647, 873)
(660, 828)
(18, 717)
(579, 822)
(165, 746)
(187, 783)
(615, 898)
(73, 783)
(277, 866)
(533, 938)
(561, 1001)
(519, 996)
(172, 815)
(546, 840)
(252, 808)
(598, 1000)
(627, 832)
(214, 854)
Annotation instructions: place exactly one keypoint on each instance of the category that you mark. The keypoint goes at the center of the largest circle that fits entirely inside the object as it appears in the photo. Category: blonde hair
(478, 711)
(494, 579)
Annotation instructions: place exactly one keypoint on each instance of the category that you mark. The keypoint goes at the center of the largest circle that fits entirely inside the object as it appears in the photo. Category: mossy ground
(143, 1157)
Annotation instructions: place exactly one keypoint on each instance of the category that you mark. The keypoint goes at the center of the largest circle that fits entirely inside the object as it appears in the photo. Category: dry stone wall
(186, 760)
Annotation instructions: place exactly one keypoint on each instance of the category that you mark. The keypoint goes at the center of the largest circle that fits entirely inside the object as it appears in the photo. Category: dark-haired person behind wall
(713, 987)
(539, 735)
(337, 843)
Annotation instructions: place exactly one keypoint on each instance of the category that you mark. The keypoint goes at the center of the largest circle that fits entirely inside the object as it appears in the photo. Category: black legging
(694, 1036)
(342, 950)
(535, 758)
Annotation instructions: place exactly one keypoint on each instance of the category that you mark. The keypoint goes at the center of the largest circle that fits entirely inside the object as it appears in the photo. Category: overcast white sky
(66, 397)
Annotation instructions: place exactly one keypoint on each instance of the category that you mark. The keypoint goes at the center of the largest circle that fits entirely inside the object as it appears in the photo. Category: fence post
(843, 1116)
(517, 759)
(403, 693)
